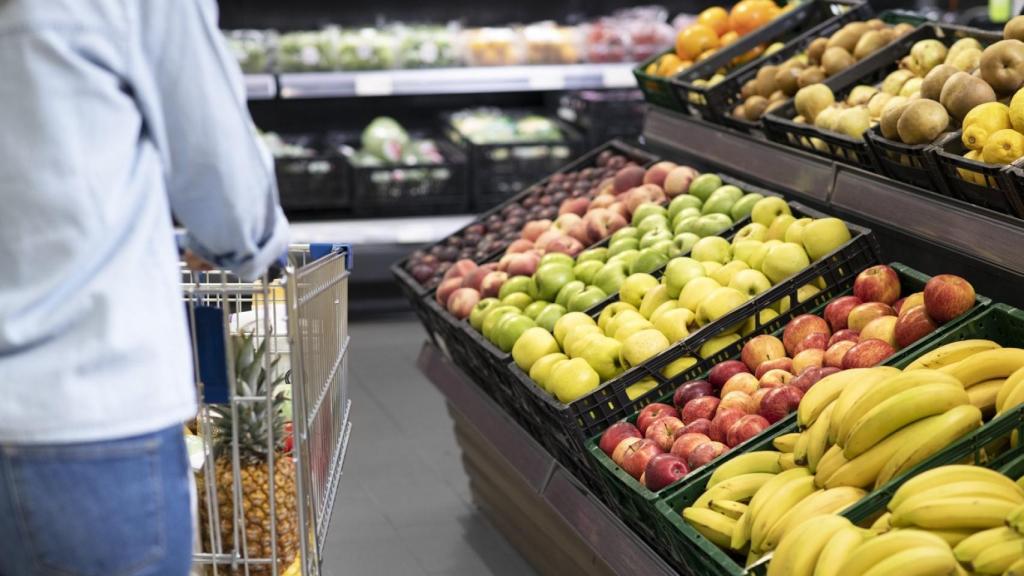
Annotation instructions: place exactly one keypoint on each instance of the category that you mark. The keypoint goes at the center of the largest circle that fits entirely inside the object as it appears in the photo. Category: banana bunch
(990, 374)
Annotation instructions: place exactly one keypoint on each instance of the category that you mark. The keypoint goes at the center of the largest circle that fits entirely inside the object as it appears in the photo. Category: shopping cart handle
(319, 250)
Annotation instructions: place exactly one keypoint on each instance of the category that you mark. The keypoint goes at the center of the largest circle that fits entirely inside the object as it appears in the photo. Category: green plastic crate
(685, 546)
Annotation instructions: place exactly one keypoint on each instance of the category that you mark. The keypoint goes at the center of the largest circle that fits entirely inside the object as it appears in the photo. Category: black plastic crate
(564, 429)
(911, 163)
(500, 170)
(991, 186)
(715, 103)
(604, 114)
(316, 182)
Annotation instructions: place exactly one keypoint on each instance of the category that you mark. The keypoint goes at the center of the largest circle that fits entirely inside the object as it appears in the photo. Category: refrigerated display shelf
(260, 86)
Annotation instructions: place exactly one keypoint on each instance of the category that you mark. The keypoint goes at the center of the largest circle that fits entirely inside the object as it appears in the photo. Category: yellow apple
(745, 249)
(783, 261)
(665, 307)
(643, 346)
(713, 249)
(572, 380)
(642, 387)
(695, 291)
(630, 327)
(532, 345)
(652, 299)
(623, 318)
(764, 316)
(767, 209)
(718, 343)
(795, 232)
(678, 366)
(717, 304)
(603, 354)
(710, 267)
(756, 260)
(542, 368)
(752, 231)
(777, 230)
(750, 282)
(569, 345)
(611, 311)
(673, 324)
(569, 321)
(725, 274)
(824, 235)
(635, 286)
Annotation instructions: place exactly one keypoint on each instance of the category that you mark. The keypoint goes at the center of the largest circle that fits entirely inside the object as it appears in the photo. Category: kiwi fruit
(922, 122)
(740, 111)
(962, 92)
(845, 38)
(809, 76)
(835, 60)
(786, 77)
(754, 108)
(871, 41)
(931, 88)
(891, 113)
(766, 80)
(1002, 66)
(816, 49)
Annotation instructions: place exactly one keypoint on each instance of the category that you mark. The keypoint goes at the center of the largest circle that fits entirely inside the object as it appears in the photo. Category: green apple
(666, 247)
(742, 208)
(541, 369)
(531, 289)
(532, 345)
(492, 318)
(643, 346)
(611, 311)
(721, 200)
(678, 366)
(646, 209)
(679, 203)
(577, 334)
(712, 249)
(635, 286)
(652, 222)
(556, 257)
(687, 224)
(649, 260)
(661, 309)
(750, 282)
(518, 299)
(673, 324)
(725, 274)
(586, 299)
(634, 391)
(766, 209)
(653, 237)
(610, 277)
(678, 272)
(476, 317)
(599, 254)
(764, 317)
(569, 321)
(572, 380)
(509, 329)
(778, 227)
(621, 319)
(710, 267)
(757, 257)
(695, 291)
(682, 216)
(795, 232)
(585, 271)
(603, 355)
(621, 245)
(825, 235)
(685, 241)
(783, 261)
(513, 285)
(733, 193)
(549, 315)
(629, 326)
(535, 308)
(703, 185)
(627, 232)
(717, 304)
(712, 225)
(717, 344)
(744, 249)
(752, 231)
(551, 278)
(652, 299)
(568, 291)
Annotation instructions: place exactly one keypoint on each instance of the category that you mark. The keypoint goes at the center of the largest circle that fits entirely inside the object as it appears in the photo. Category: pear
(835, 60)
(877, 104)
(871, 41)
(826, 119)
(861, 95)
(903, 28)
(967, 60)
(876, 24)
(925, 55)
(810, 76)
(894, 82)
(891, 113)
(853, 122)
(816, 49)
(811, 100)
(931, 88)
(1014, 29)
(911, 87)
(1002, 66)
(922, 122)
(962, 92)
(962, 45)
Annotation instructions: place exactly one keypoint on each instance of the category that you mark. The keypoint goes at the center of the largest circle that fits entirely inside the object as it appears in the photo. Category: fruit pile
(716, 28)
(948, 520)
(824, 57)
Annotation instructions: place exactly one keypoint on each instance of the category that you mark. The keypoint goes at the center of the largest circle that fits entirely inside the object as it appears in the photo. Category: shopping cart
(266, 488)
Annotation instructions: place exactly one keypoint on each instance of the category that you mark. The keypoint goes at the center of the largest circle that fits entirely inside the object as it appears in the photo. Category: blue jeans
(118, 508)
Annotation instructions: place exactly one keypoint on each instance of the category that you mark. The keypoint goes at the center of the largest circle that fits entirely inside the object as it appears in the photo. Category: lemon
(982, 121)
(1017, 110)
(970, 175)
(1003, 147)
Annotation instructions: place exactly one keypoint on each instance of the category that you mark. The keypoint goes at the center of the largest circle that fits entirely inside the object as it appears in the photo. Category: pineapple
(252, 380)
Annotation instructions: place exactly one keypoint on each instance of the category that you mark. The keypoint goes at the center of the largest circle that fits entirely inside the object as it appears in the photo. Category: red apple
(475, 279)
(721, 373)
(706, 453)
(723, 420)
(898, 305)
(810, 358)
(817, 340)
(601, 223)
(779, 402)
(877, 284)
(700, 425)
(844, 334)
(947, 296)
(656, 174)
(664, 470)
(638, 454)
(462, 302)
(492, 284)
(777, 364)
(800, 328)
(806, 379)
(741, 382)
(861, 315)
(913, 325)
(908, 303)
(838, 311)
(737, 400)
(689, 390)
(663, 431)
(648, 414)
(759, 395)
(745, 428)
(867, 353)
(460, 269)
(565, 245)
(703, 407)
(760, 349)
(534, 228)
(628, 177)
(685, 444)
(519, 246)
(835, 353)
(775, 378)
(445, 290)
(616, 433)
(524, 264)
(621, 449)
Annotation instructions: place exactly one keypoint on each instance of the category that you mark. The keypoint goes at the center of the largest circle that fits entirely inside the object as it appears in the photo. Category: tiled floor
(404, 507)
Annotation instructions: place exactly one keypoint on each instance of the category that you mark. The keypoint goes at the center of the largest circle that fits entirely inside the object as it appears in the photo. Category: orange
(749, 15)
(666, 63)
(716, 18)
(695, 40)
(753, 53)
(728, 38)
(707, 54)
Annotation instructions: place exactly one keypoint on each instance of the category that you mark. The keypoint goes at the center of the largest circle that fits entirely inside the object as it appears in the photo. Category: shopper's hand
(196, 263)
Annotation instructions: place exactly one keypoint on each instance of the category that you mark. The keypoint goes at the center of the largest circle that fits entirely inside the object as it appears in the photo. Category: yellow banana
(887, 389)
(950, 474)
(830, 461)
(1012, 382)
(943, 431)
(828, 389)
(785, 442)
(787, 462)
(999, 557)
(1015, 519)
(900, 410)
(820, 503)
(984, 395)
(838, 549)
(786, 497)
(877, 549)
(715, 527)
(768, 490)
(850, 394)
(968, 488)
(1015, 569)
(920, 561)
(800, 448)
(863, 470)
(969, 548)
(798, 554)
(817, 441)
(738, 488)
(953, 537)
(730, 508)
(882, 524)
(951, 353)
(1016, 395)
(986, 365)
(954, 513)
(749, 463)
(741, 533)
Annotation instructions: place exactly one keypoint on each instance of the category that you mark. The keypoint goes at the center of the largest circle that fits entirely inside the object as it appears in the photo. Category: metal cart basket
(269, 442)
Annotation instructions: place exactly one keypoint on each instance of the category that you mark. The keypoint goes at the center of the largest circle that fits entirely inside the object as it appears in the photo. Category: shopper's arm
(220, 178)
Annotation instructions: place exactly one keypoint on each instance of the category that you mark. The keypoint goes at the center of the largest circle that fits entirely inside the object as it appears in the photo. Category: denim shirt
(113, 115)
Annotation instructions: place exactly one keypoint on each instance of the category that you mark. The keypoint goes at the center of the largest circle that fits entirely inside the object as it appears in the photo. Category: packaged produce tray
(635, 504)
(658, 90)
(685, 546)
(604, 114)
(564, 429)
(715, 103)
(998, 188)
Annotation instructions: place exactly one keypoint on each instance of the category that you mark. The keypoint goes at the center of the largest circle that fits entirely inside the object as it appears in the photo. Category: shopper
(113, 115)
